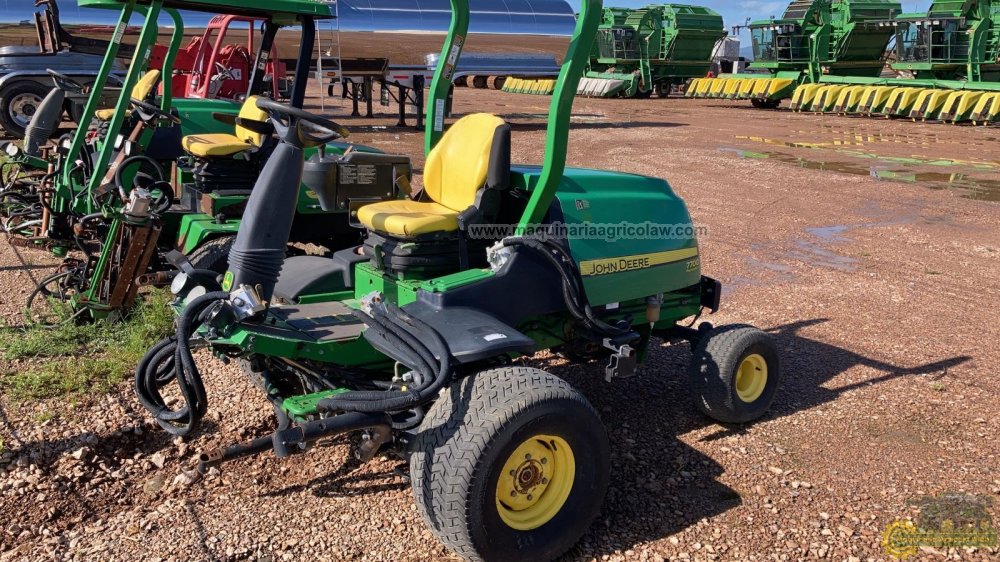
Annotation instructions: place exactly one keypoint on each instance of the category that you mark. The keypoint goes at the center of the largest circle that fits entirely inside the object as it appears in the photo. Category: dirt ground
(869, 248)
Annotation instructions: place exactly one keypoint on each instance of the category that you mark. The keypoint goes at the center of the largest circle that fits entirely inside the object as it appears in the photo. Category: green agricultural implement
(637, 52)
(175, 174)
(951, 55)
(409, 340)
(812, 39)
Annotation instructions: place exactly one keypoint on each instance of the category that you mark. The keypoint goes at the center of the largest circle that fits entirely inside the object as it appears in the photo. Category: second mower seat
(470, 160)
(222, 144)
(142, 89)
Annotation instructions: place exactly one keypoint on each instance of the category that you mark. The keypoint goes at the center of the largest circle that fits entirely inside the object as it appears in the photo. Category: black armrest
(260, 127)
(227, 118)
(468, 217)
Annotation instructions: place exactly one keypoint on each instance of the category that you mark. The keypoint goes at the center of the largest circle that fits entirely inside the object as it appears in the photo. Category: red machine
(209, 68)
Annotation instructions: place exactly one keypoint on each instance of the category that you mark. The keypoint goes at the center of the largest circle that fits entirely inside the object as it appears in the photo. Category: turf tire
(460, 448)
(713, 369)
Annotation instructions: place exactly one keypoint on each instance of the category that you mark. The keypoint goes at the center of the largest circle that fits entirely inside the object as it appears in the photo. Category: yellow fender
(804, 96)
(929, 104)
(874, 98)
(777, 85)
(987, 109)
(693, 87)
(703, 87)
(849, 99)
(760, 88)
(958, 106)
(732, 87)
(718, 87)
(826, 97)
(745, 90)
(901, 102)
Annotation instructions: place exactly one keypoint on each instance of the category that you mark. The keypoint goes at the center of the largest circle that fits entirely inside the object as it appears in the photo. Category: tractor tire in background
(510, 464)
(213, 255)
(642, 94)
(735, 373)
(766, 104)
(18, 102)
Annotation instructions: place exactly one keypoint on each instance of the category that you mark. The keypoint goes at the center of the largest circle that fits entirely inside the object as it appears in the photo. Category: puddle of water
(777, 267)
(860, 140)
(814, 253)
(972, 187)
(829, 233)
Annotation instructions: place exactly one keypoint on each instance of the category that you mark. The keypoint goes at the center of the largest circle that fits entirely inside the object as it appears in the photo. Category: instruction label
(361, 174)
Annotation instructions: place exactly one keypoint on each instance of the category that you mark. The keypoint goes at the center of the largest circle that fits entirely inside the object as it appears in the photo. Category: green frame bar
(451, 52)
(560, 111)
(79, 137)
(143, 49)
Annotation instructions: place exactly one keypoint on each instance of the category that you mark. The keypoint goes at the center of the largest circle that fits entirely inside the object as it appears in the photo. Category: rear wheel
(510, 464)
(213, 255)
(18, 103)
(735, 373)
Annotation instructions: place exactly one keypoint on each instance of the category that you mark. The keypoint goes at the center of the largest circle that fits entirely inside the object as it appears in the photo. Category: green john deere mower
(164, 174)
(411, 338)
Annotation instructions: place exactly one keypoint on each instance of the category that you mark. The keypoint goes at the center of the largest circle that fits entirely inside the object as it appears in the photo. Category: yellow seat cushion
(454, 172)
(143, 87)
(217, 144)
(408, 218)
(107, 114)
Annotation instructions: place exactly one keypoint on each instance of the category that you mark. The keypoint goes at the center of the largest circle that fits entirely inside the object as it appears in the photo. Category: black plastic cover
(471, 335)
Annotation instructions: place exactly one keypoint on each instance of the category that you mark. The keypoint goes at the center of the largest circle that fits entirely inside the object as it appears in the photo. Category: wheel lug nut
(530, 497)
(545, 480)
(512, 473)
(513, 494)
(545, 460)
(527, 456)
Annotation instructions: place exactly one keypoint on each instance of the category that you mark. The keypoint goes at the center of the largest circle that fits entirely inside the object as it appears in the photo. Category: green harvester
(830, 57)
(639, 51)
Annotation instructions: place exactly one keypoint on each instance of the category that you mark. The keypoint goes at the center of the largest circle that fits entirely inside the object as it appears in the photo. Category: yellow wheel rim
(751, 377)
(535, 481)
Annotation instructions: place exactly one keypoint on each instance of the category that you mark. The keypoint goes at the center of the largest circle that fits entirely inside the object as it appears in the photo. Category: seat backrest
(144, 86)
(250, 111)
(475, 148)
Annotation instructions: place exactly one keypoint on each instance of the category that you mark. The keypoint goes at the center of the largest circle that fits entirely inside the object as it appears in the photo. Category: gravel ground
(880, 294)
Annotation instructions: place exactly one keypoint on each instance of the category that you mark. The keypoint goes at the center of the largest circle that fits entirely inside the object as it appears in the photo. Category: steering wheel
(154, 111)
(65, 83)
(312, 130)
(223, 70)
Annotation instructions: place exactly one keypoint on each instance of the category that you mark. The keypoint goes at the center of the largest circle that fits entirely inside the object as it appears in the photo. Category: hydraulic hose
(171, 359)
(389, 320)
(128, 162)
(573, 293)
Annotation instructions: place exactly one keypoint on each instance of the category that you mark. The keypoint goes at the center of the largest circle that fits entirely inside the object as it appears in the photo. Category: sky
(734, 12)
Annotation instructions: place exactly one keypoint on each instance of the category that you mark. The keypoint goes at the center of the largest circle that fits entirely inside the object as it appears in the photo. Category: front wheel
(735, 373)
(510, 464)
